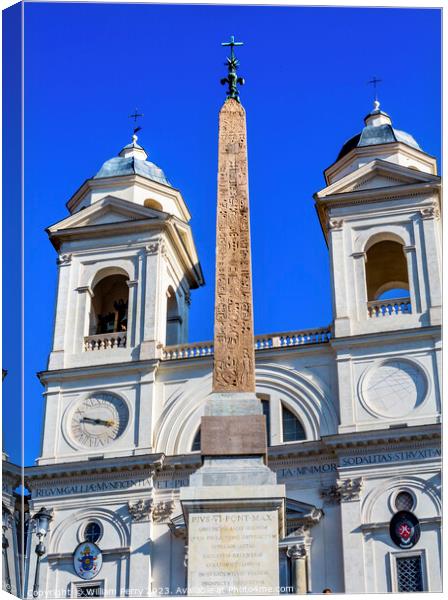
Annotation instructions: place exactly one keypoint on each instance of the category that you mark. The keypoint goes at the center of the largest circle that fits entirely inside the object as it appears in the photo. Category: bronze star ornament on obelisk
(233, 423)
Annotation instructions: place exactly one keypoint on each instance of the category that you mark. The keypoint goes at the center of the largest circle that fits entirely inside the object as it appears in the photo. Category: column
(297, 554)
(359, 259)
(414, 283)
(84, 297)
(132, 313)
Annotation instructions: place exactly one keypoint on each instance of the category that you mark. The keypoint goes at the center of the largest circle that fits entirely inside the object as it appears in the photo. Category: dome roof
(378, 130)
(132, 160)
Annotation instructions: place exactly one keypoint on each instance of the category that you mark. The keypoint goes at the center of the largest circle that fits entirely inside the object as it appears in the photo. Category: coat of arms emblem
(404, 529)
(87, 560)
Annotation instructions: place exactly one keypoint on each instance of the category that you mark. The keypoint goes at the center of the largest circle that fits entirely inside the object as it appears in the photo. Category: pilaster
(429, 216)
(347, 492)
(140, 514)
(341, 315)
(85, 295)
(151, 299)
(414, 283)
(56, 358)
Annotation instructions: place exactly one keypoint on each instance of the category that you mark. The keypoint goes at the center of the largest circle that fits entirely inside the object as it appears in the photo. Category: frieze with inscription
(94, 487)
(388, 457)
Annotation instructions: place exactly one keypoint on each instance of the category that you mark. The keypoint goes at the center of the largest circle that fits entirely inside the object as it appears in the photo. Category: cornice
(366, 527)
(163, 467)
(379, 149)
(72, 373)
(377, 194)
(169, 225)
(328, 447)
(190, 264)
(111, 182)
(311, 449)
(401, 174)
(181, 461)
(11, 469)
(379, 437)
(100, 229)
(52, 557)
(362, 339)
(92, 468)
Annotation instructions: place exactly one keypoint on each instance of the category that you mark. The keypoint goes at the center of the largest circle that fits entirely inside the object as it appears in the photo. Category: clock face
(99, 420)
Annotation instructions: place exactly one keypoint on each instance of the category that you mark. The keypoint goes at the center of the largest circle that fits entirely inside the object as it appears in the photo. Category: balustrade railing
(388, 308)
(187, 350)
(261, 342)
(105, 341)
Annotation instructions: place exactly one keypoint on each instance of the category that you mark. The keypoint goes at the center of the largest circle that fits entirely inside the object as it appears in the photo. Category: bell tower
(126, 266)
(380, 216)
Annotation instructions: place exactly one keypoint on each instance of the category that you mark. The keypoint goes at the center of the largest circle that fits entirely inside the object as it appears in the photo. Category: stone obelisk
(234, 423)
(233, 365)
(234, 509)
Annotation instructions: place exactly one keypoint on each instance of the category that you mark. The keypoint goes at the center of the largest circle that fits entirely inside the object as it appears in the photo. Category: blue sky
(88, 66)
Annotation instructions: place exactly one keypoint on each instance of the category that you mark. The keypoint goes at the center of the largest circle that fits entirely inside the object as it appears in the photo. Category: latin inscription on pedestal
(233, 553)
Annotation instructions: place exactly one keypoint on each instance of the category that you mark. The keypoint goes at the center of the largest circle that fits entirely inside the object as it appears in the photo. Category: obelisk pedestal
(233, 508)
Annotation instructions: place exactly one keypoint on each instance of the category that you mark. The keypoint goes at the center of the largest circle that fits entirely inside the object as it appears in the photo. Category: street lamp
(42, 521)
(6, 520)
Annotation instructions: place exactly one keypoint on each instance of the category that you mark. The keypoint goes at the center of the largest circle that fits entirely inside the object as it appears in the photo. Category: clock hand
(98, 421)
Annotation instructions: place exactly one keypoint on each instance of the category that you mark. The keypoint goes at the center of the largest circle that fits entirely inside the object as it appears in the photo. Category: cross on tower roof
(375, 81)
(136, 115)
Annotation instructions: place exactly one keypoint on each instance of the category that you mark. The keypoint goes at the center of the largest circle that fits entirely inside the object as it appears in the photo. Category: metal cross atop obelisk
(232, 64)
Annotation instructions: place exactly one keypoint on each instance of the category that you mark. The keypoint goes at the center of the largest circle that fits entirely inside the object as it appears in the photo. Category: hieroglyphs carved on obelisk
(234, 356)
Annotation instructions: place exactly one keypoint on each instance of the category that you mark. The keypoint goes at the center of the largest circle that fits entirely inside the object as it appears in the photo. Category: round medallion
(87, 560)
(404, 529)
(99, 420)
(394, 388)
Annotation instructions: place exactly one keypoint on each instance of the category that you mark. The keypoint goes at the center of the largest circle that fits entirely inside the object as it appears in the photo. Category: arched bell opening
(386, 271)
(109, 307)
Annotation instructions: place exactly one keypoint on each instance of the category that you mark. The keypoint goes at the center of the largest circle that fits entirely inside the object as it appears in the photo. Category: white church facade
(353, 408)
